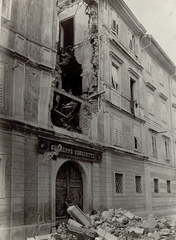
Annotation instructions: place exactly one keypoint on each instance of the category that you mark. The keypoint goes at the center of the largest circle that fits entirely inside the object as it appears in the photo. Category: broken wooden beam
(96, 94)
(61, 114)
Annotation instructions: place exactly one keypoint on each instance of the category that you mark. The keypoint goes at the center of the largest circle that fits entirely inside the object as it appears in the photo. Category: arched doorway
(69, 188)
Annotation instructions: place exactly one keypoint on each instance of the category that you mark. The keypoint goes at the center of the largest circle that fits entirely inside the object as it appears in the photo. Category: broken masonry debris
(106, 225)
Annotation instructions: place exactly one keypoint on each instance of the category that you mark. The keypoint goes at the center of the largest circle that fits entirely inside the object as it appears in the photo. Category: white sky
(159, 19)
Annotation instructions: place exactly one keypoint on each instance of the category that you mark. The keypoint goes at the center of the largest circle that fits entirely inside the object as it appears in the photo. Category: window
(161, 76)
(149, 64)
(151, 103)
(168, 182)
(2, 175)
(138, 184)
(156, 185)
(154, 145)
(131, 40)
(132, 83)
(174, 120)
(1, 85)
(119, 183)
(163, 112)
(114, 23)
(137, 138)
(117, 131)
(114, 76)
(66, 33)
(6, 8)
(174, 87)
(167, 148)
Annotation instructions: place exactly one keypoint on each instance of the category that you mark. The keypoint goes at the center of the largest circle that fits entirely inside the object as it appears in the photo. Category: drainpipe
(99, 44)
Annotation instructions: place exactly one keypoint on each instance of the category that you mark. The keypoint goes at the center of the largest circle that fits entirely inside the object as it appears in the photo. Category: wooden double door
(69, 189)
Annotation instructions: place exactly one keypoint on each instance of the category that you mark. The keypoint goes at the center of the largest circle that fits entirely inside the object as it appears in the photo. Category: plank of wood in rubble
(69, 96)
(61, 114)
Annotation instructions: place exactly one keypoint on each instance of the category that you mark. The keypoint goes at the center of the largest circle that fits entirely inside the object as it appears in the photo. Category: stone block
(108, 215)
(105, 235)
(154, 235)
(137, 230)
(79, 216)
(150, 223)
(165, 232)
(74, 223)
(129, 215)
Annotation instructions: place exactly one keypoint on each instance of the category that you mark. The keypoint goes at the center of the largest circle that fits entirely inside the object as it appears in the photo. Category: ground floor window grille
(119, 183)
(138, 184)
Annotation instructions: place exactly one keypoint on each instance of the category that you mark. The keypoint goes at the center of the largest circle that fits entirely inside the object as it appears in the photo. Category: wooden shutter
(137, 135)
(5, 8)
(1, 85)
(117, 128)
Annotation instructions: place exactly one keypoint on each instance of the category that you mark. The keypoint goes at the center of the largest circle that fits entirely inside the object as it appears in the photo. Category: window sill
(136, 150)
(149, 73)
(139, 194)
(119, 195)
(152, 114)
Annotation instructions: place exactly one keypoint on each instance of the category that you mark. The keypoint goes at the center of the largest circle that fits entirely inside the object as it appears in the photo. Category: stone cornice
(133, 73)
(127, 54)
(119, 60)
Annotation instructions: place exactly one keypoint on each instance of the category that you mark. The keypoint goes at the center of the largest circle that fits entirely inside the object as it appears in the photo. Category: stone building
(87, 113)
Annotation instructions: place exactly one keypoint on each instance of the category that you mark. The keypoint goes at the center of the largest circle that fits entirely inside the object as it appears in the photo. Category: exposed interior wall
(77, 67)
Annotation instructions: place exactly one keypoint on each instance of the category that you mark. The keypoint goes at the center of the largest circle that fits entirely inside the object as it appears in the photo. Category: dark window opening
(168, 186)
(135, 143)
(156, 186)
(71, 72)
(66, 33)
(132, 82)
(65, 113)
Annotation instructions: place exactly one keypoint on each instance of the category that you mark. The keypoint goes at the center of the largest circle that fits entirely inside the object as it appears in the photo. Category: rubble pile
(117, 224)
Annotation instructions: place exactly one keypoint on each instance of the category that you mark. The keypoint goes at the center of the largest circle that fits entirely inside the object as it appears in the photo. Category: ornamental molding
(163, 96)
(149, 85)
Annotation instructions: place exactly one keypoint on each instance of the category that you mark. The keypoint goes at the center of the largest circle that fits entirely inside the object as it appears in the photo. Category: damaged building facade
(88, 114)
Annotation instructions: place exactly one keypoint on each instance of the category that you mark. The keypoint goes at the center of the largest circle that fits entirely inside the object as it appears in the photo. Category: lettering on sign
(51, 149)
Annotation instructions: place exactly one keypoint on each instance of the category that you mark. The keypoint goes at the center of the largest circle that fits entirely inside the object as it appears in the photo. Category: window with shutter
(117, 131)
(6, 8)
(1, 85)
(137, 143)
(161, 76)
(151, 103)
(154, 145)
(149, 64)
(114, 76)
(163, 112)
(167, 148)
(174, 87)
(114, 23)
(2, 175)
